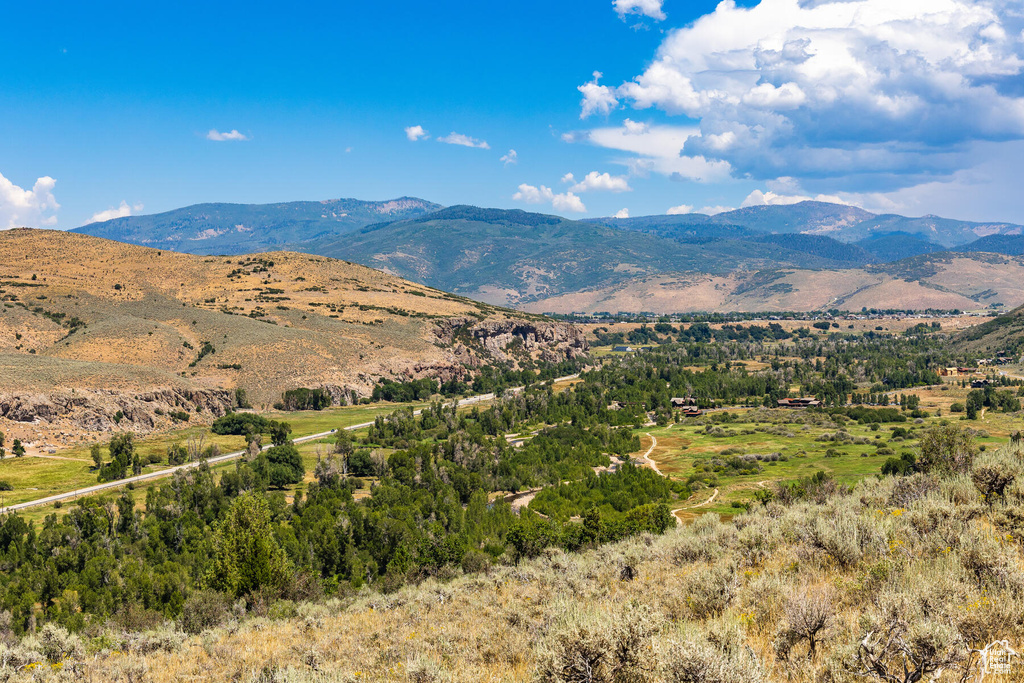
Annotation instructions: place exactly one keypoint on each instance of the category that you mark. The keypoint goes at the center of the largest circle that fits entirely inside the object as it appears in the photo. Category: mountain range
(248, 228)
(802, 256)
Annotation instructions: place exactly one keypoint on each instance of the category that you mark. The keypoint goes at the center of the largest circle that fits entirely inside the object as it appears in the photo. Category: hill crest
(81, 313)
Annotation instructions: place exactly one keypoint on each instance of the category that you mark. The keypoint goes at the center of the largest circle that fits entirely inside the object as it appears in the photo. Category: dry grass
(302, 321)
(915, 555)
(952, 285)
(317, 320)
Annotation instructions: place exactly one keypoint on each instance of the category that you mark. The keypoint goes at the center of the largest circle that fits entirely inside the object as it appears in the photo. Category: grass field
(683, 447)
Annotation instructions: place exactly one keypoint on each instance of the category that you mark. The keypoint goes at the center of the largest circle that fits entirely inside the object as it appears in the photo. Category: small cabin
(684, 402)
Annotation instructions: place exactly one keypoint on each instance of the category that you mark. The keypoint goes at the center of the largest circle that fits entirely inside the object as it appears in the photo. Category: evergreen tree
(247, 557)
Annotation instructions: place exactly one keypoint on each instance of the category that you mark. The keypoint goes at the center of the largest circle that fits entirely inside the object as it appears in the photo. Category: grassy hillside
(1011, 245)
(1001, 335)
(939, 281)
(79, 313)
(246, 228)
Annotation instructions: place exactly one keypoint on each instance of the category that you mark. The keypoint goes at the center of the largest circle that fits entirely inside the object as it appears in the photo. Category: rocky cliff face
(509, 340)
(97, 410)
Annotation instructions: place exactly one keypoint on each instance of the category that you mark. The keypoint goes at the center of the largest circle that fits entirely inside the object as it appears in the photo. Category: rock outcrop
(511, 339)
(101, 410)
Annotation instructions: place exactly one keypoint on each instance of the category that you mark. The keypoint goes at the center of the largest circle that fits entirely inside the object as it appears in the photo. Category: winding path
(709, 501)
(647, 456)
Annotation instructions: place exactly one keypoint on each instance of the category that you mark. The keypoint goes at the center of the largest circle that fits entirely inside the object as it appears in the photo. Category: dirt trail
(678, 511)
(709, 501)
(646, 457)
(522, 499)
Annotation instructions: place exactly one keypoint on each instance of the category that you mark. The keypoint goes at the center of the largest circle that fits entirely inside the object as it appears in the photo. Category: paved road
(89, 490)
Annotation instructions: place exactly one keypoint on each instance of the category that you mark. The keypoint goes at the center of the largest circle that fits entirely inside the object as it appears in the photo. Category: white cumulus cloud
(634, 127)
(511, 158)
(27, 208)
(713, 210)
(414, 133)
(566, 201)
(882, 93)
(680, 210)
(599, 182)
(621, 213)
(597, 99)
(658, 149)
(116, 212)
(647, 8)
(230, 136)
(464, 141)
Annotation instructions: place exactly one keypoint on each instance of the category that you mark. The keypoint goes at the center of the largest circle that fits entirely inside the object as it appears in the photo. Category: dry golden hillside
(81, 313)
(951, 282)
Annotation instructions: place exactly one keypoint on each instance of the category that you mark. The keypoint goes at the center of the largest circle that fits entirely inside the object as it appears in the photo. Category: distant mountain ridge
(841, 222)
(244, 228)
(796, 257)
(511, 256)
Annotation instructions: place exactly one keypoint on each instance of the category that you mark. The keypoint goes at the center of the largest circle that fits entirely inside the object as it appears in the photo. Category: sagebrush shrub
(601, 647)
(699, 662)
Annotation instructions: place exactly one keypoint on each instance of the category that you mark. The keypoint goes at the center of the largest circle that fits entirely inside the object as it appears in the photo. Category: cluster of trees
(610, 497)
(438, 501)
(304, 399)
(989, 397)
(17, 448)
(698, 332)
(123, 458)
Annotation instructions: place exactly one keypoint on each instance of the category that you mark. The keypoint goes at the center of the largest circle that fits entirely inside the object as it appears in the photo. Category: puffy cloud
(599, 182)
(566, 201)
(634, 127)
(712, 210)
(658, 149)
(680, 210)
(876, 92)
(647, 8)
(414, 133)
(597, 99)
(464, 141)
(770, 198)
(531, 194)
(27, 208)
(511, 158)
(621, 213)
(230, 136)
(115, 212)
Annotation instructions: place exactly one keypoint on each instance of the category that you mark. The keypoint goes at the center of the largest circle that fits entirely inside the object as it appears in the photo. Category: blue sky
(113, 108)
